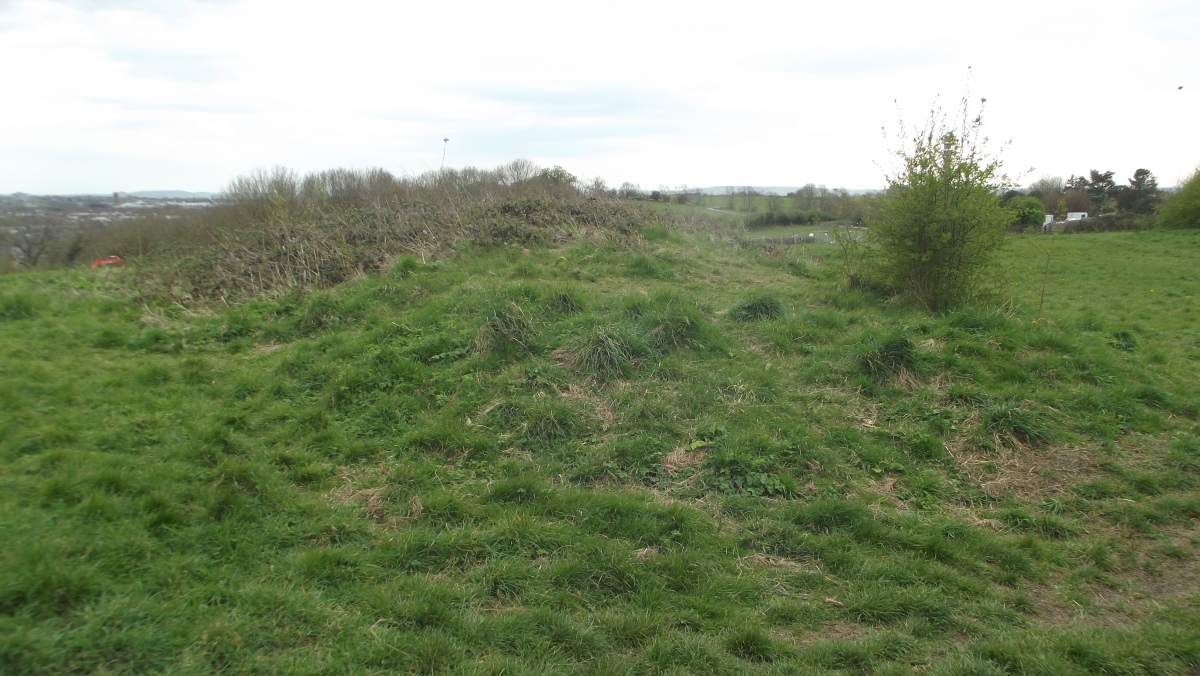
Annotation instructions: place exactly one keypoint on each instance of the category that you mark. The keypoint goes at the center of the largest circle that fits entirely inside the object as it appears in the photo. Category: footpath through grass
(679, 457)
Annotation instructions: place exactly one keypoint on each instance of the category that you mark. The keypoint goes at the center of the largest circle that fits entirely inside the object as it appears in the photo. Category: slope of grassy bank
(665, 457)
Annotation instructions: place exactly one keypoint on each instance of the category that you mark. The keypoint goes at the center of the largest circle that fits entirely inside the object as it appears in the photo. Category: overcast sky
(104, 95)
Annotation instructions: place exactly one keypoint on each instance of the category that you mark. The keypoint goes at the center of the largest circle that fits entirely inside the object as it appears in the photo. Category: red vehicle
(111, 260)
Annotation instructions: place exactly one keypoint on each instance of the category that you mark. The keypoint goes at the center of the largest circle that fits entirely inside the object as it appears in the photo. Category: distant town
(101, 209)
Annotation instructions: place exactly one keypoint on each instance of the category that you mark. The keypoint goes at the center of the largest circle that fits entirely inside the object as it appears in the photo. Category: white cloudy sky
(103, 95)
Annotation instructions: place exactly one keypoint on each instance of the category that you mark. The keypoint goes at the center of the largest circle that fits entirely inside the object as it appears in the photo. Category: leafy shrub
(940, 223)
(1182, 209)
(1118, 222)
(279, 234)
(758, 307)
(773, 219)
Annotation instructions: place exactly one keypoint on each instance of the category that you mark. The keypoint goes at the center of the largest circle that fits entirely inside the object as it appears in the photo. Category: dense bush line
(275, 232)
(773, 219)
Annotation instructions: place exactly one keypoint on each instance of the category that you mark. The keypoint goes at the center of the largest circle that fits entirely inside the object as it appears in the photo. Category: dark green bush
(772, 219)
(1182, 209)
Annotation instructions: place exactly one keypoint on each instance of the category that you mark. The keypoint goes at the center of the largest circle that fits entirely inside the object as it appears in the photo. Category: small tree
(30, 240)
(1182, 208)
(940, 223)
(1027, 212)
(1141, 195)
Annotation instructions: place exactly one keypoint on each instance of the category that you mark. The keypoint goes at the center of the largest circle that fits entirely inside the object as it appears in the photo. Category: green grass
(573, 460)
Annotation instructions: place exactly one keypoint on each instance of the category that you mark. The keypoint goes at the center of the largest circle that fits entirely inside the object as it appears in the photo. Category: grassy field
(671, 457)
(825, 233)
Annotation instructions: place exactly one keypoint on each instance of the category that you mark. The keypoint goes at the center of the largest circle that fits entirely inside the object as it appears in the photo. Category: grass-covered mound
(665, 457)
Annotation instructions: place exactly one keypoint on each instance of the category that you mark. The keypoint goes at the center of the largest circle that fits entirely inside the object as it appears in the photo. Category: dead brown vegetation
(275, 232)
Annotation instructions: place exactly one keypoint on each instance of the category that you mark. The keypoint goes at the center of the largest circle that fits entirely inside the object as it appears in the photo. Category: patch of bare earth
(833, 631)
(766, 561)
(361, 488)
(1094, 604)
(1174, 578)
(1128, 595)
(604, 414)
(1029, 474)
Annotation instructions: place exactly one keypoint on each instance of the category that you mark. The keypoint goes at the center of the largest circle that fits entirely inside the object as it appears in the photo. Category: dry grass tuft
(682, 458)
(645, 554)
(370, 498)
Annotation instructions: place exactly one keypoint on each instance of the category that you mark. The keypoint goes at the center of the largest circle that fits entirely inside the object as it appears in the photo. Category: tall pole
(444, 142)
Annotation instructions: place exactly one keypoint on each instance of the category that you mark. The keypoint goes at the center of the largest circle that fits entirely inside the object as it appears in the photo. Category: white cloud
(128, 94)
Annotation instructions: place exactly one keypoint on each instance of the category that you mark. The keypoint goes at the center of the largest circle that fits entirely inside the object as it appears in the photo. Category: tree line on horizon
(33, 239)
(1097, 193)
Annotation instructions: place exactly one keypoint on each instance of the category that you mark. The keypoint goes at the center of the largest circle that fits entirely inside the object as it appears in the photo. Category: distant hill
(172, 194)
(774, 189)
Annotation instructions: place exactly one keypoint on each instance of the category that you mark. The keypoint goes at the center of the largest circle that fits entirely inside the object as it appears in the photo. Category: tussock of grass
(564, 302)
(404, 267)
(641, 265)
(1016, 422)
(889, 358)
(606, 354)
(756, 308)
(673, 322)
(1123, 340)
(16, 306)
(508, 332)
(752, 644)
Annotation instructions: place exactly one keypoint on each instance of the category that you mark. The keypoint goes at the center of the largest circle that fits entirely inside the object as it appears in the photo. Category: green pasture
(823, 233)
(674, 456)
